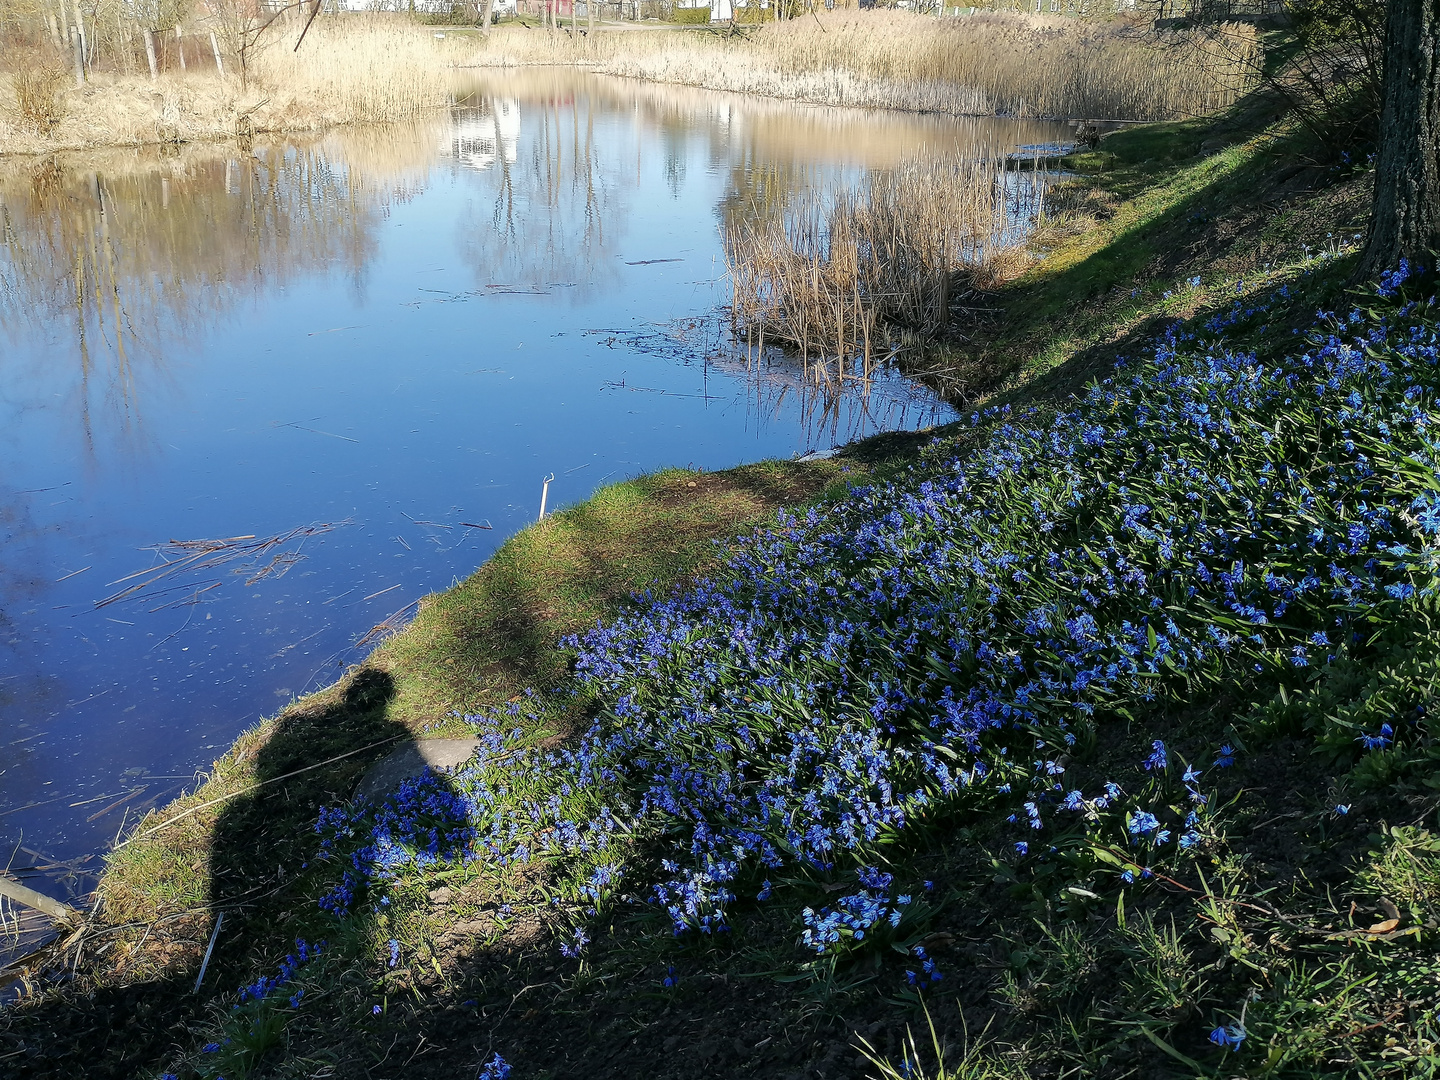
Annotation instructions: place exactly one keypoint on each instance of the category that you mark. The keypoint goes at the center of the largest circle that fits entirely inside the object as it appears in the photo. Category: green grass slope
(1309, 928)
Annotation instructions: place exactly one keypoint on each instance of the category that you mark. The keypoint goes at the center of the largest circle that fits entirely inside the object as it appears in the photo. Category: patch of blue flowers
(266, 985)
(852, 916)
(1206, 513)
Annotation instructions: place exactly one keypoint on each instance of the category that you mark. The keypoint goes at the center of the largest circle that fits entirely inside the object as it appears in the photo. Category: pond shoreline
(488, 640)
(378, 69)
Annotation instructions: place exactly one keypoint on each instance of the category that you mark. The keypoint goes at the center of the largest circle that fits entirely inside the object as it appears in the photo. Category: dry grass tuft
(37, 82)
(378, 67)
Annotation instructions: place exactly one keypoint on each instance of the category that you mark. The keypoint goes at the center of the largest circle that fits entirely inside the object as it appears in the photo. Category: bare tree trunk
(180, 45)
(79, 57)
(215, 48)
(1405, 223)
(150, 54)
(487, 17)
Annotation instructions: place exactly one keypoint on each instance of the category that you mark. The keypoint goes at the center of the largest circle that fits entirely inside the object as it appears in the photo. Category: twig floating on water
(391, 624)
(32, 899)
(73, 573)
(382, 592)
(333, 330)
(117, 804)
(179, 557)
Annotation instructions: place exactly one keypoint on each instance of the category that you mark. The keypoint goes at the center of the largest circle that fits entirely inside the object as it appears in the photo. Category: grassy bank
(873, 766)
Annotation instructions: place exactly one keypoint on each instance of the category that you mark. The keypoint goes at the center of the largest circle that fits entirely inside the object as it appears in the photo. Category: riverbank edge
(221, 130)
(205, 107)
(659, 529)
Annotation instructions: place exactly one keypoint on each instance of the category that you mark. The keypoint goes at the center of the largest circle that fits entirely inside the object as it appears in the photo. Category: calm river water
(382, 338)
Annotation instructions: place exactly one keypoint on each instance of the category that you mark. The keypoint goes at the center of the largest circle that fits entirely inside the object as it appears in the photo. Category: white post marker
(545, 493)
(219, 922)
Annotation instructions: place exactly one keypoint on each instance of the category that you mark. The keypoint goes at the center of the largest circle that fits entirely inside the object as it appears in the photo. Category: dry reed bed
(375, 67)
(835, 272)
(1014, 65)
(355, 69)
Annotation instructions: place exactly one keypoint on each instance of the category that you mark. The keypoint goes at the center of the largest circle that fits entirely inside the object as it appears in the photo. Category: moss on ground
(1150, 212)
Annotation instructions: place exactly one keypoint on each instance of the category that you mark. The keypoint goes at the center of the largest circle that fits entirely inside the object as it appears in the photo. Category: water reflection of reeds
(125, 259)
(832, 411)
(851, 274)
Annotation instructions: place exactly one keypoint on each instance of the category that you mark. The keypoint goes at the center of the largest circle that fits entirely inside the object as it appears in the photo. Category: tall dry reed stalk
(833, 274)
(37, 82)
(361, 67)
(1016, 65)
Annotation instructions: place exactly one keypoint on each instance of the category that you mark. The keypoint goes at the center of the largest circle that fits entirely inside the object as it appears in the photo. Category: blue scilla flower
(394, 952)
(576, 945)
(1142, 822)
(1228, 1036)
(1225, 757)
(1380, 740)
(1159, 758)
(497, 1068)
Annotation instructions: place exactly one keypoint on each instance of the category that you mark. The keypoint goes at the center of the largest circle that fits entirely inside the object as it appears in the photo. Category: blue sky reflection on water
(397, 332)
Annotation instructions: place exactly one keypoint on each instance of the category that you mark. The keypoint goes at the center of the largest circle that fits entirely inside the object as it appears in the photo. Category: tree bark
(150, 54)
(1405, 223)
(487, 17)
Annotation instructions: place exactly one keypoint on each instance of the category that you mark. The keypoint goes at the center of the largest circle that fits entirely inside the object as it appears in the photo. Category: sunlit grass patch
(494, 635)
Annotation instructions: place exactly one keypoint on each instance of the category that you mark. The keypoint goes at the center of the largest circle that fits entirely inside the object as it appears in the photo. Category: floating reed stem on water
(835, 272)
(181, 561)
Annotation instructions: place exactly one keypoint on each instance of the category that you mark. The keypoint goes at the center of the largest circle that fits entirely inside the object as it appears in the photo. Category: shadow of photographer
(262, 858)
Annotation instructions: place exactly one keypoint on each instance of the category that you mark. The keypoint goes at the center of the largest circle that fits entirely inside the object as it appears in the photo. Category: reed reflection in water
(390, 332)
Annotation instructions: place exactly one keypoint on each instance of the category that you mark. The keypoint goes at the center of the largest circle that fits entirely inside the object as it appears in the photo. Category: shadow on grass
(262, 876)
(133, 1006)
(1167, 203)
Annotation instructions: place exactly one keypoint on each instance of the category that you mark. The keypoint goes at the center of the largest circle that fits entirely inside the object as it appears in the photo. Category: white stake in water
(545, 493)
